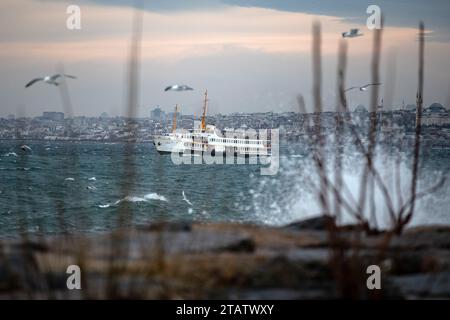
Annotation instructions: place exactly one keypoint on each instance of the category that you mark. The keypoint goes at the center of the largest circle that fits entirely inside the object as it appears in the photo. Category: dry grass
(348, 266)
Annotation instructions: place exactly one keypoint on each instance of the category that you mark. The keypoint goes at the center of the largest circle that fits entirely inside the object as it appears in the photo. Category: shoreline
(183, 260)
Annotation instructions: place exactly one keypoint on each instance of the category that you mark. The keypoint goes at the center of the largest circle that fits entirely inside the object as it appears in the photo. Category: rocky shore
(304, 260)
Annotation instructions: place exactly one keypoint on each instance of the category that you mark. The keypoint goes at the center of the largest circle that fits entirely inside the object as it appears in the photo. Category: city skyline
(169, 112)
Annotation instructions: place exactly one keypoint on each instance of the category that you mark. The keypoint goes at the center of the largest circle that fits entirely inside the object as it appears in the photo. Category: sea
(91, 187)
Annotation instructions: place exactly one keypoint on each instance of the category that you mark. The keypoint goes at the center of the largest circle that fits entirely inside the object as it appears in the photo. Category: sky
(252, 56)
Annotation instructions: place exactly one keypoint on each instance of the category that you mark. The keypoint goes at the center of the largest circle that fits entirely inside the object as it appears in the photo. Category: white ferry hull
(167, 144)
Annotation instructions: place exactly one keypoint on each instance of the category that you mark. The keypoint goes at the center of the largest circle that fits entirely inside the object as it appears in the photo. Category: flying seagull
(363, 88)
(351, 34)
(177, 87)
(50, 79)
(186, 199)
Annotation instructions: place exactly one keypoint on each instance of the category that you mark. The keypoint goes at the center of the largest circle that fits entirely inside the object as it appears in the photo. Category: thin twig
(419, 101)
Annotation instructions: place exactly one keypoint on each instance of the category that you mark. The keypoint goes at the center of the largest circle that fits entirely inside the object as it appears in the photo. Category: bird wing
(33, 81)
(55, 76)
(371, 84)
(59, 75)
(188, 88)
(354, 31)
(350, 89)
(168, 88)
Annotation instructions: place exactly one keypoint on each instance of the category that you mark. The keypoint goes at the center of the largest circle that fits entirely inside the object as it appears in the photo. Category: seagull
(186, 199)
(49, 79)
(177, 87)
(351, 34)
(25, 148)
(363, 88)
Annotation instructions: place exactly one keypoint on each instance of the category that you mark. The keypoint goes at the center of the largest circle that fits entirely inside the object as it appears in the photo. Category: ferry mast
(205, 106)
(174, 127)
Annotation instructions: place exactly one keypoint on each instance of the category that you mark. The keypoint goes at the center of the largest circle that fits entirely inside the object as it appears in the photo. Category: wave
(292, 194)
(155, 196)
(19, 169)
(10, 154)
(146, 198)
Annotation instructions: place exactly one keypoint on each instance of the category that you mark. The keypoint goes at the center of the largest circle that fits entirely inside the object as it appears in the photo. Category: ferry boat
(207, 138)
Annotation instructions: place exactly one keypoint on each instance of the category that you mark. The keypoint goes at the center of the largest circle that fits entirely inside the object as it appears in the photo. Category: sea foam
(11, 154)
(146, 198)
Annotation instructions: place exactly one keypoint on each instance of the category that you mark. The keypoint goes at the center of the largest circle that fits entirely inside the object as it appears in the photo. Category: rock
(283, 272)
(169, 226)
(33, 246)
(185, 260)
(432, 285)
(277, 294)
(424, 237)
(242, 245)
(315, 223)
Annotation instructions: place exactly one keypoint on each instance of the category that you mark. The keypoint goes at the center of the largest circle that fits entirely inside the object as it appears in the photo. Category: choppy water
(80, 187)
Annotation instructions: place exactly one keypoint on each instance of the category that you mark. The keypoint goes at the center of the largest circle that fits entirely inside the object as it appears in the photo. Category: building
(361, 109)
(171, 114)
(54, 116)
(435, 108)
(411, 108)
(104, 115)
(158, 115)
(436, 115)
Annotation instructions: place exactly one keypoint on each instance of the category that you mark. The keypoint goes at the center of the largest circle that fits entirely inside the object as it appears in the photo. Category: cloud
(401, 13)
(170, 37)
(250, 58)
